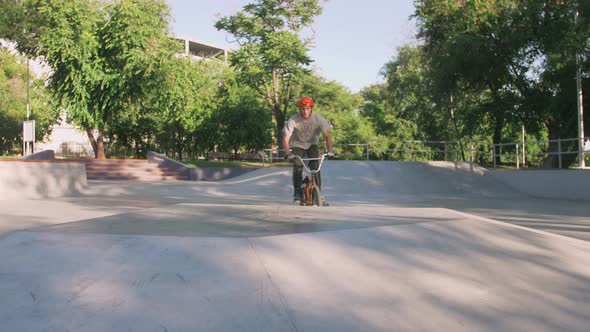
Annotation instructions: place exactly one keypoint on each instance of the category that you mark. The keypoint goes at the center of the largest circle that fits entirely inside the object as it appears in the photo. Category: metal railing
(519, 154)
(71, 149)
(539, 152)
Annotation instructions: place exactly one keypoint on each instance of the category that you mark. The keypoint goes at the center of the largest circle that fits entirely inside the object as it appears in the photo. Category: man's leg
(297, 172)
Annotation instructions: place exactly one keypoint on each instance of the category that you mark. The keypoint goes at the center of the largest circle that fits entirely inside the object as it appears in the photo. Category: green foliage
(505, 63)
(403, 109)
(242, 120)
(105, 56)
(472, 46)
(185, 104)
(201, 108)
(561, 39)
(13, 100)
(21, 21)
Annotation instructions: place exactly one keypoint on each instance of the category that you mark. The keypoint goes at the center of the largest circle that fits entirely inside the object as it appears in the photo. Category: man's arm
(286, 146)
(328, 141)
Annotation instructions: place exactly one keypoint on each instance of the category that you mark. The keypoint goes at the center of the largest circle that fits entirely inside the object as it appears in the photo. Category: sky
(353, 39)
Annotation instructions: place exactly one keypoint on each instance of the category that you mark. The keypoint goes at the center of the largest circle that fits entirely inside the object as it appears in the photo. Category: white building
(66, 140)
(201, 51)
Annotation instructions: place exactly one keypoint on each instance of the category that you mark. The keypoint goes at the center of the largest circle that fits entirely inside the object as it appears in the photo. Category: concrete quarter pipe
(403, 247)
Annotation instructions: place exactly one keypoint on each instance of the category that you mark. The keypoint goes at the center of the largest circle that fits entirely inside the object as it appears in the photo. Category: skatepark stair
(127, 169)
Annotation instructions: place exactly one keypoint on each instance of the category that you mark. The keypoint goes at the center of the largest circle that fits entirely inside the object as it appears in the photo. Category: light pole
(580, 106)
(28, 125)
(28, 100)
(25, 124)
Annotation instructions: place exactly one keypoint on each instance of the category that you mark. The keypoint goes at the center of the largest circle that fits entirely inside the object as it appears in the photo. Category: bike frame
(311, 191)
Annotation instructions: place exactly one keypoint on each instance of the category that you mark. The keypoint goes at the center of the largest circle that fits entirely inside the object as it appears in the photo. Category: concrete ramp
(412, 179)
(30, 179)
(443, 271)
(375, 182)
(403, 247)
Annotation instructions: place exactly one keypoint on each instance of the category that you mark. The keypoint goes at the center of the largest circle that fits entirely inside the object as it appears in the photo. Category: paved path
(403, 247)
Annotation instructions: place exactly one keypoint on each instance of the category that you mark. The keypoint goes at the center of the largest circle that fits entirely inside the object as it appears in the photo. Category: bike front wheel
(316, 197)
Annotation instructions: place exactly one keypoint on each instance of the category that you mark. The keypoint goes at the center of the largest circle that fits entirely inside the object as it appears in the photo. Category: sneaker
(297, 197)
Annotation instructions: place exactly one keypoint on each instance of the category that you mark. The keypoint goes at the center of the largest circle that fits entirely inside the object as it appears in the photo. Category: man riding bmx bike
(301, 136)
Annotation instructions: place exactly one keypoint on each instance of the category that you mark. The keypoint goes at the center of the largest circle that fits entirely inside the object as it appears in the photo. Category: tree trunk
(280, 118)
(179, 149)
(454, 120)
(179, 141)
(553, 133)
(499, 123)
(499, 114)
(100, 147)
(92, 140)
(97, 143)
(109, 147)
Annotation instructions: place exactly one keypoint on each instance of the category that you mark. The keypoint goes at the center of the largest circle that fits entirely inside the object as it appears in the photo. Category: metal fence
(518, 154)
(543, 154)
(71, 149)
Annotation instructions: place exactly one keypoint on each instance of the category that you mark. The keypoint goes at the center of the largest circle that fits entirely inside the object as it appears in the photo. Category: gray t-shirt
(305, 133)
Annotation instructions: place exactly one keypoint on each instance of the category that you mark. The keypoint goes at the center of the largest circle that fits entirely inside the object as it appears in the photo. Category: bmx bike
(310, 190)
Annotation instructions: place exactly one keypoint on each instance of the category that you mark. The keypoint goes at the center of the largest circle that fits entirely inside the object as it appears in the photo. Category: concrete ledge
(43, 155)
(218, 173)
(557, 184)
(197, 174)
(37, 179)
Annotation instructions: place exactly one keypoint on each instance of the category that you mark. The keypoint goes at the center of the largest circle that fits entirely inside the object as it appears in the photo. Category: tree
(561, 39)
(406, 107)
(13, 100)
(104, 56)
(21, 21)
(488, 49)
(273, 49)
(242, 121)
(188, 99)
(522, 54)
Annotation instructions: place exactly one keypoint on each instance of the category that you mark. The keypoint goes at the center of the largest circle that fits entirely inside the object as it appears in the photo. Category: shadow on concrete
(429, 276)
(462, 274)
(238, 256)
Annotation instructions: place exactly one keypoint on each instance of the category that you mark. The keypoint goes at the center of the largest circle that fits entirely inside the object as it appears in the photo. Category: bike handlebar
(307, 169)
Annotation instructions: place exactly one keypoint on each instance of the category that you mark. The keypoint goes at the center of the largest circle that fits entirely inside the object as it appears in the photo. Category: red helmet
(305, 101)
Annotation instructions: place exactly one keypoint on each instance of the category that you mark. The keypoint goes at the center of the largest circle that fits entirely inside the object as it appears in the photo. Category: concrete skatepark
(403, 247)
